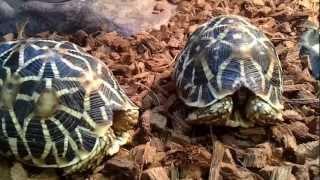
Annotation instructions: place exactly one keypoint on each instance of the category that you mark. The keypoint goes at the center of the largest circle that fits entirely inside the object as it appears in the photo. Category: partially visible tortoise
(59, 106)
(309, 46)
(230, 73)
(126, 17)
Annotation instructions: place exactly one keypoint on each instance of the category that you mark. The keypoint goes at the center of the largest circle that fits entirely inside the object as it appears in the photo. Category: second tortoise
(230, 74)
(309, 47)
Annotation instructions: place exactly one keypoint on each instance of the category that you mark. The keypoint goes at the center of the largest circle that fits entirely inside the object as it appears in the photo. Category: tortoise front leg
(124, 123)
(125, 120)
(262, 113)
(217, 113)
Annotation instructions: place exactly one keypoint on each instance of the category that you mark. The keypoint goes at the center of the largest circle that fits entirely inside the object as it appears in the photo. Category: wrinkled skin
(224, 112)
(125, 17)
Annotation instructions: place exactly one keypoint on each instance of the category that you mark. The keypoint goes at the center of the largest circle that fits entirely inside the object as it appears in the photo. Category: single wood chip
(277, 173)
(280, 173)
(143, 154)
(307, 150)
(158, 120)
(217, 156)
(120, 163)
(301, 132)
(301, 172)
(296, 88)
(257, 157)
(228, 157)
(284, 135)
(258, 2)
(191, 172)
(157, 173)
(232, 171)
(292, 115)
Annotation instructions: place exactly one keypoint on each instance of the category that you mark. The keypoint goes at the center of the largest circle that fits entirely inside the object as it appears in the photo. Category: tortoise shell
(57, 104)
(309, 46)
(224, 55)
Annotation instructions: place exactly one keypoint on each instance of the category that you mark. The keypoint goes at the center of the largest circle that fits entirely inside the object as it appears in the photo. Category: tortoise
(229, 74)
(59, 106)
(309, 47)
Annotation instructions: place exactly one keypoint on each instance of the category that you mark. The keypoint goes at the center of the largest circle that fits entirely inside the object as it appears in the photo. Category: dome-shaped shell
(309, 46)
(56, 102)
(222, 56)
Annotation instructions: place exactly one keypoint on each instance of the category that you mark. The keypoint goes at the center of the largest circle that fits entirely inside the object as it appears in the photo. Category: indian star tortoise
(59, 106)
(309, 47)
(230, 73)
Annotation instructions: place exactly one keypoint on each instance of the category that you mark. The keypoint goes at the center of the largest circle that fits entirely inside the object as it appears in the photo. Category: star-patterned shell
(56, 103)
(309, 46)
(223, 55)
